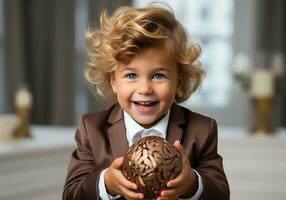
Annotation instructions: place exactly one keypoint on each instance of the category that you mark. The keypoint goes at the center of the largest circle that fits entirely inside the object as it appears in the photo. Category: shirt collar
(132, 127)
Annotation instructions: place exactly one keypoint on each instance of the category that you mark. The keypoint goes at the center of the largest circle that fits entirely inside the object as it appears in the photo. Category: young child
(142, 59)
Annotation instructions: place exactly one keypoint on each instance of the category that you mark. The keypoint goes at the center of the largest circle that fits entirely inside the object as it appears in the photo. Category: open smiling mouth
(145, 103)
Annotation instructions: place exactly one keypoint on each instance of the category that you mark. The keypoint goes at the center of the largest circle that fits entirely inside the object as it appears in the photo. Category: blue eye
(131, 76)
(159, 76)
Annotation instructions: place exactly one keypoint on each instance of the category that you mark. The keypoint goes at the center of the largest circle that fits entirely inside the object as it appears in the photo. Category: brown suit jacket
(101, 137)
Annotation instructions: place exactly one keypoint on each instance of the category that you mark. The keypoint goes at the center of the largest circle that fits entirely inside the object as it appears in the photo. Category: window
(210, 24)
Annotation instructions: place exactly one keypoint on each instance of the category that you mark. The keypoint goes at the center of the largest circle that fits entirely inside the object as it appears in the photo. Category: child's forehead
(152, 54)
(161, 50)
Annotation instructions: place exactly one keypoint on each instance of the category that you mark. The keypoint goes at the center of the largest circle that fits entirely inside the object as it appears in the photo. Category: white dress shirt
(134, 132)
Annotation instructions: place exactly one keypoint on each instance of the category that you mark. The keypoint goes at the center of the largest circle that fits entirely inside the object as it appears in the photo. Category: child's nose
(145, 87)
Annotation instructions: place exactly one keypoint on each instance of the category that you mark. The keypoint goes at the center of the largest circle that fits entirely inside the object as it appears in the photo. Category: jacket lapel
(116, 132)
(174, 131)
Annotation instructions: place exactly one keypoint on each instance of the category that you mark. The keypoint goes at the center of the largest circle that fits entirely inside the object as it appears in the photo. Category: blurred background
(43, 91)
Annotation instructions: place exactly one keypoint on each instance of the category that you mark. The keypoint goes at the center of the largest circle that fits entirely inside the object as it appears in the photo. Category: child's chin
(145, 123)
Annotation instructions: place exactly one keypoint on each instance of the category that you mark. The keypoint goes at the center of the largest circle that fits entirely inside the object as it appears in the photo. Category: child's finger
(117, 163)
(174, 182)
(169, 194)
(130, 194)
(181, 149)
(127, 184)
(163, 198)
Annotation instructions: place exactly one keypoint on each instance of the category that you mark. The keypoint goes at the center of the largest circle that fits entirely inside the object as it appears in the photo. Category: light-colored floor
(35, 169)
(255, 165)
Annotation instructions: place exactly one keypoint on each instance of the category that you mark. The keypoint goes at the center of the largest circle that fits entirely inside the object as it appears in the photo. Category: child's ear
(112, 82)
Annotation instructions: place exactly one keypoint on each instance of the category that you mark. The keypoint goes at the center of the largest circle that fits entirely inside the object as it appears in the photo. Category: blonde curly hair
(130, 30)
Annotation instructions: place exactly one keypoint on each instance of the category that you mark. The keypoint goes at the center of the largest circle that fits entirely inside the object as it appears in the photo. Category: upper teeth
(144, 102)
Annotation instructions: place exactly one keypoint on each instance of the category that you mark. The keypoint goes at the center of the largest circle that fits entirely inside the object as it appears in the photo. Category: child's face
(147, 85)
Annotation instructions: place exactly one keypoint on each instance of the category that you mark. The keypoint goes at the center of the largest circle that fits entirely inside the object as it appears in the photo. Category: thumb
(117, 163)
(181, 149)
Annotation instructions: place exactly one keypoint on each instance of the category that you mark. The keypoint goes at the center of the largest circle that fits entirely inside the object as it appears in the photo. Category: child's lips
(145, 106)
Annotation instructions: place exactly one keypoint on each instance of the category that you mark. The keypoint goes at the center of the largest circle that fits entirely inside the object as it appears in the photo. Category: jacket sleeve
(215, 185)
(83, 175)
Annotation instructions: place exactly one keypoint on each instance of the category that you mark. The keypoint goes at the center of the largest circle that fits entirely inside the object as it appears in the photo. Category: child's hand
(185, 184)
(117, 184)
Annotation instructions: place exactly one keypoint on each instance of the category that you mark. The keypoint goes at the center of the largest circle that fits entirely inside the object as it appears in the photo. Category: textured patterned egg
(151, 163)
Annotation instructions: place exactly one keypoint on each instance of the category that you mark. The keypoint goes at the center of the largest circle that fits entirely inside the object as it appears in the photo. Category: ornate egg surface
(150, 163)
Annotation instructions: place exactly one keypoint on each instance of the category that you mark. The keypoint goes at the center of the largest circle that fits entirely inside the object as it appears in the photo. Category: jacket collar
(116, 132)
(117, 135)
(175, 130)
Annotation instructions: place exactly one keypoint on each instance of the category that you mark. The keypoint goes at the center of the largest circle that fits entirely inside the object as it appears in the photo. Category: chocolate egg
(150, 163)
